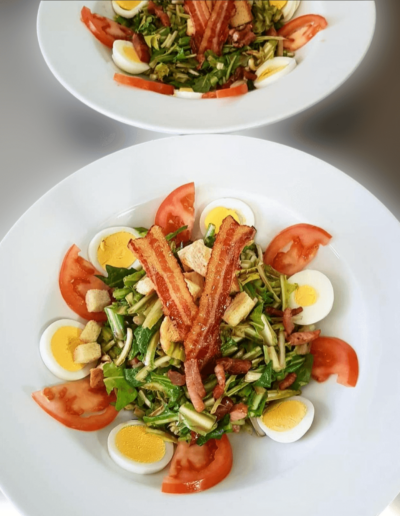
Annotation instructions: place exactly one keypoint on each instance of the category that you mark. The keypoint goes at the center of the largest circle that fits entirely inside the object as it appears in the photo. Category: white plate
(84, 67)
(347, 464)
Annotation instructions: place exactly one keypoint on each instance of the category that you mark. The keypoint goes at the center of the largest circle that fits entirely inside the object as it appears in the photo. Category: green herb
(209, 237)
(224, 427)
(143, 337)
(142, 231)
(303, 373)
(114, 378)
(267, 377)
(115, 276)
(132, 279)
(171, 236)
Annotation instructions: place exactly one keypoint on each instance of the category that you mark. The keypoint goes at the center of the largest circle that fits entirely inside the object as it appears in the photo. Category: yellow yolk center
(217, 215)
(63, 344)
(284, 416)
(114, 251)
(128, 5)
(136, 444)
(270, 71)
(305, 295)
(131, 54)
(279, 4)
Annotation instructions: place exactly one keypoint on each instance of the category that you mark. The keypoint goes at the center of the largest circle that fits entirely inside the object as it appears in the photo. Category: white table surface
(46, 134)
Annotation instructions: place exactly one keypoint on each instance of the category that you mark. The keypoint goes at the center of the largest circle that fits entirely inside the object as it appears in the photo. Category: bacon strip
(288, 381)
(220, 374)
(224, 407)
(288, 324)
(242, 37)
(140, 45)
(234, 365)
(203, 340)
(302, 337)
(158, 11)
(176, 378)
(194, 384)
(217, 29)
(163, 269)
(239, 411)
(199, 14)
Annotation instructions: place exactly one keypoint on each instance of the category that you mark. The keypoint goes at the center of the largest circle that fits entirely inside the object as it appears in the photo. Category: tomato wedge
(76, 278)
(105, 30)
(209, 95)
(197, 468)
(233, 92)
(334, 356)
(177, 210)
(299, 31)
(305, 240)
(143, 84)
(76, 405)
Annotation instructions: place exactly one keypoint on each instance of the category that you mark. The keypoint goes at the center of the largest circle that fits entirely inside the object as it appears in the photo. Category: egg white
(125, 13)
(191, 95)
(96, 241)
(122, 61)
(325, 296)
(288, 62)
(289, 10)
(129, 464)
(48, 357)
(244, 211)
(296, 433)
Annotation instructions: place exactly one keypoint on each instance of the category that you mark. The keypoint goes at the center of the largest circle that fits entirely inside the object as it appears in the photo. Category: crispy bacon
(194, 384)
(176, 378)
(141, 47)
(220, 374)
(203, 340)
(224, 408)
(163, 269)
(302, 337)
(273, 311)
(242, 37)
(217, 29)
(288, 324)
(199, 14)
(288, 381)
(158, 11)
(234, 365)
(239, 411)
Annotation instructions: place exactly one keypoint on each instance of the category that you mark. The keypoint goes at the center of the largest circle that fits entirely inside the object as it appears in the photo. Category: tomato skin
(305, 239)
(301, 30)
(197, 468)
(209, 95)
(68, 402)
(143, 84)
(104, 29)
(177, 210)
(233, 92)
(76, 278)
(334, 356)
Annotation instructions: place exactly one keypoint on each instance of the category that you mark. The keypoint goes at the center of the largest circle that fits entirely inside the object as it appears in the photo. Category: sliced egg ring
(273, 70)
(187, 93)
(125, 57)
(287, 424)
(128, 8)
(124, 257)
(288, 8)
(217, 210)
(314, 294)
(56, 347)
(150, 456)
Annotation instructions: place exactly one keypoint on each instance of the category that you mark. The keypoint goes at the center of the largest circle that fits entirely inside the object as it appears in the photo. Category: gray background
(46, 134)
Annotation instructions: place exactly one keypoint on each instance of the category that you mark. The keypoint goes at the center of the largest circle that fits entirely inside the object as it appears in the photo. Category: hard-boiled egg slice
(288, 8)
(110, 247)
(314, 293)
(217, 211)
(273, 70)
(57, 346)
(132, 448)
(288, 420)
(125, 57)
(187, 93)
(127, 8)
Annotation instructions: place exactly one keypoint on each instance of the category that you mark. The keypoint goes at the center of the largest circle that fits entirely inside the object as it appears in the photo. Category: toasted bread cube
(239, 309)
(194, 289)
(97, 300)
(96, 378)
(86, 353)
(243, 13)
(190, 28)
(168, 334)
(195, 257)
(145, 286)
(195, 277)
(235, 287)
(91, 332)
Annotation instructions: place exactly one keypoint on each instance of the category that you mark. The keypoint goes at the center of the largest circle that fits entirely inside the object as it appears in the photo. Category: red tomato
(209, 95)
(305, 240)
(177, 210)
(76, 405)
(197, 468)
(144, 84)
(334, 356)
(299, 31)
(76, 278)
(104, 29)
(233, 92)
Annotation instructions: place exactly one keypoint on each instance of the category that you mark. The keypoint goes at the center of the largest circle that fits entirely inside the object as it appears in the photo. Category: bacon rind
(164, 271)
(203, 340)
(217, 29)
(141, 47)
(194, 384)
(159, 12)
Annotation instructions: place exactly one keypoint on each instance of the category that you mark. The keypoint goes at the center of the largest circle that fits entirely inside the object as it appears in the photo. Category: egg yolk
(279, 4)
(305, 295)
(114, 251)
(130, 53)
(270, 71)
(128, 5)
(217, 215)
(284, 416)
(63, 344)
(136, 444)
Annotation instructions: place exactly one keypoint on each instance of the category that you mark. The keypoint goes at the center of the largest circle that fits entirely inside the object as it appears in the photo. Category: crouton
(239, 309)
(194, 277)
(235, 287)
(190, 30)
(86, 353)
(91, 332)
(195, 257)
(145, 286)
(194, 289)
(168, 334)
(96, 378)
(243, 13)
(97, 300)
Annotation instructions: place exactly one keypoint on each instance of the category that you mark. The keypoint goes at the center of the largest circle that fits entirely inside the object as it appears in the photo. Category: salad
(203, 48)
(196, 338)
